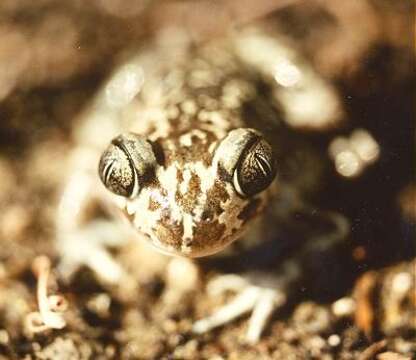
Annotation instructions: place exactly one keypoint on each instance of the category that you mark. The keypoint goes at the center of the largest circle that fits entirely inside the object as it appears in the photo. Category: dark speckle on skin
(187, 242)
(207, 215)
(250, 210)
(216, 195)
(187, 200)
(169, 232)
(179, 176)
(207, 233)
(153, 204)
(198, 151)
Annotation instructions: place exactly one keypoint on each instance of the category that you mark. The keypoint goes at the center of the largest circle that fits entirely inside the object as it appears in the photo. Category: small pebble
(316, 345)
(290, 335)
(343, 307)
(182, 275)
(311, 317)
(388, 355)
(4, 337)
(402, 283)
(100, 304)
(334, 340)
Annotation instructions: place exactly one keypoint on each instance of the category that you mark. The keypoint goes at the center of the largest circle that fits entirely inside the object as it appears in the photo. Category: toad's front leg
(261, 301)
(82, 241)
(263, 292)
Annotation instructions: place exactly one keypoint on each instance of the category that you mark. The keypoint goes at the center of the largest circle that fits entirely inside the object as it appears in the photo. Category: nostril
(207, 216)
(159, 153)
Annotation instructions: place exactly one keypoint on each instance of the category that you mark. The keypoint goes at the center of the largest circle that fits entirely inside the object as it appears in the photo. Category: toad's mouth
(190, 248)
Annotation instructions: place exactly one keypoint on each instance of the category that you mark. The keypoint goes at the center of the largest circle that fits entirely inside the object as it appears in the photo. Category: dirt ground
(53, 57)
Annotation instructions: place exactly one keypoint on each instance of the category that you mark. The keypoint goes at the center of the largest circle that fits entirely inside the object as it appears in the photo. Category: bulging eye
(127, 164)
(246, 159)
(256, 169)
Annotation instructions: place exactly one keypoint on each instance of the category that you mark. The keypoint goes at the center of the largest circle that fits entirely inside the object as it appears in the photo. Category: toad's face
(190, 194)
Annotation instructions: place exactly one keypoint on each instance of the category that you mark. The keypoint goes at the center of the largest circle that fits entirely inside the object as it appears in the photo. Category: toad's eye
(127, 164)
(247, 160)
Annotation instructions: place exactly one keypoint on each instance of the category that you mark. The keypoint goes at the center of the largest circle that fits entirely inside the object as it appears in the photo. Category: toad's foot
(260, 300)
(87, 247)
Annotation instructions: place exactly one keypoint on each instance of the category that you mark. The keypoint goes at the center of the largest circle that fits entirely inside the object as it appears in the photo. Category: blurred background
(54, 55)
